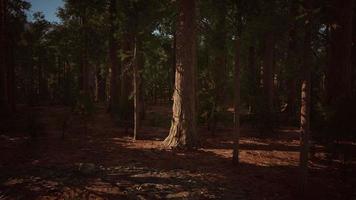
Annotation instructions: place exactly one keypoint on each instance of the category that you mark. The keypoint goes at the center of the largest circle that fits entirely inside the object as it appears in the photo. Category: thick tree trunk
(235, 155)
(339, 72)
(305, 102)
(183, 133)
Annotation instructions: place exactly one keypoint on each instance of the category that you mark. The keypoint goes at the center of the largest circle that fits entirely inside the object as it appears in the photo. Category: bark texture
(292, 62)
(339, 72)
(183, 132)
(137, 65)
(4, 106)
(305, 102)
(114, 61)
(235, 155)
(268, 70)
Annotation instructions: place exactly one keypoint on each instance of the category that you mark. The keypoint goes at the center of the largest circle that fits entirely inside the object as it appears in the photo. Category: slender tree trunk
(137, 57)
(292, 63)
(126, 105)
(40, 76)
(11, 84)
(237, 86)
(85, 71)
(339, 72)
(235, 155)
(220, 67)
(4, 105)
(183, 132)
(266, 114)
(268, 70)
(115, 63)
(305, 102)
(252, 77)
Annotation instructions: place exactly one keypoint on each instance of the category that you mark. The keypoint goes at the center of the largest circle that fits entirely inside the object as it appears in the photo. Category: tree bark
(339, 72)
(11, 84)
(174, 60)
(220, 67)
(126, 105)
(305, 102)
(268, 70)
(137, 88)
(235, 155)
(115, 63)
(292, 63)
(4, 104)
(183, 133)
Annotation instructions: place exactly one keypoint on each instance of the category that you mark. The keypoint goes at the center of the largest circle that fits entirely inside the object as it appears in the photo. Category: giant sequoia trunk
(339, 72)
(183, 132)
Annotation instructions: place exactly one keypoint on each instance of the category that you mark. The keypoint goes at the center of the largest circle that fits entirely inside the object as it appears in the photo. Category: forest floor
(104, 163)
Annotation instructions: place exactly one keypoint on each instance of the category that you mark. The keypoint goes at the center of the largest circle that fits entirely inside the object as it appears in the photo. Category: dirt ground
(104, 163)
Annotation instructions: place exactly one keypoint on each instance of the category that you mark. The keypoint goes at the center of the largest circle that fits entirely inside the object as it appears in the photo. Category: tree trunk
(252, 77)
(268, 70)
(11, 84)
(305, 102)
(220, 67)
(339, 72)
(266, 115)
(174, 60)
(183, 133)
(235, 155)
(4, 105)
(115, 63)
(292, 63)
(126, 105)
(85, 71)
(137, 60)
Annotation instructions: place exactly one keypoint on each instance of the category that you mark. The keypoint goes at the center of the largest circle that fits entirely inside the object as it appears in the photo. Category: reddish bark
(183, 132)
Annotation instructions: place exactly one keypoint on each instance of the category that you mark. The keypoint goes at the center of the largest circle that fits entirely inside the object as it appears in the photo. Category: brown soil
(104, 163)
